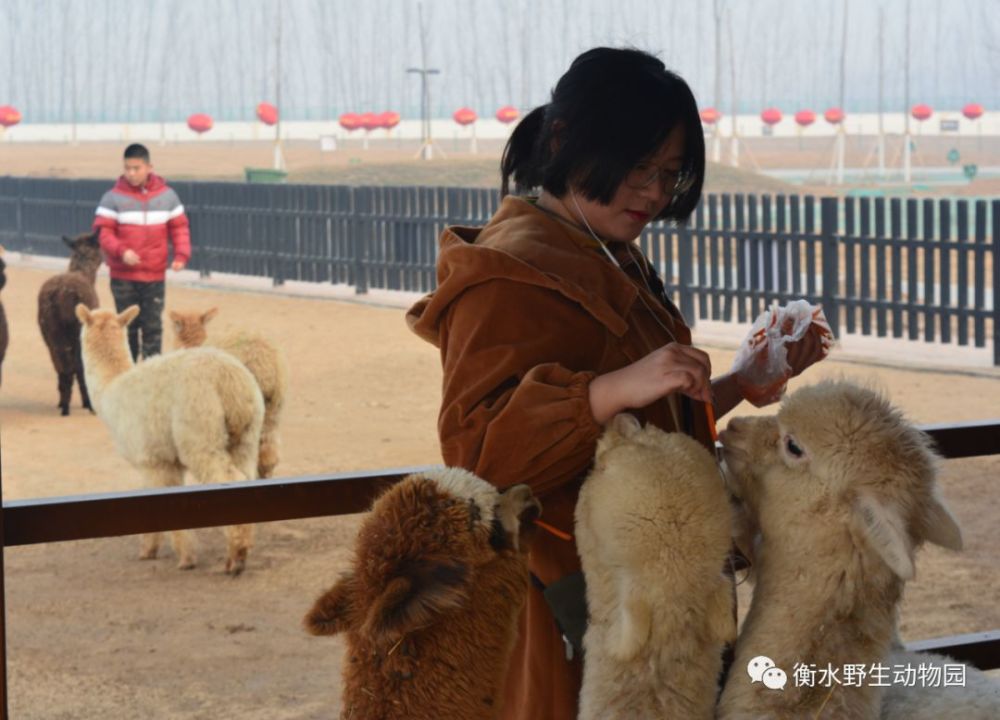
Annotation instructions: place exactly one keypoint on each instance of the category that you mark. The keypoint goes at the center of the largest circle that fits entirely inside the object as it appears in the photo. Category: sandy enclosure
(95, 633)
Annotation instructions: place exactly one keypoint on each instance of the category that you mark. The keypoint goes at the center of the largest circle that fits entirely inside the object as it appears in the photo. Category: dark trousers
(146, 329)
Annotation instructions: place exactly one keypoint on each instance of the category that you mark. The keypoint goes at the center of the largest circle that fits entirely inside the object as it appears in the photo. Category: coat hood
(524, 244)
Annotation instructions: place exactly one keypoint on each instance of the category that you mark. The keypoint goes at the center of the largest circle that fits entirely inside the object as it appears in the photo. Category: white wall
(445, 128)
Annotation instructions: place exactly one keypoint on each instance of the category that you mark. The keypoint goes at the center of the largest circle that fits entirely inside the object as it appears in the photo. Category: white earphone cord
(618, 265)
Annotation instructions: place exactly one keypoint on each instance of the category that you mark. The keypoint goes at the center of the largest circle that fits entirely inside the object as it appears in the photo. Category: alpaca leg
(150, 546)
(82, 381)
(182, 540)
(239, 540)
(268, 457)
(217, 467)
(65, 390)
(185, 547)
(248, 459)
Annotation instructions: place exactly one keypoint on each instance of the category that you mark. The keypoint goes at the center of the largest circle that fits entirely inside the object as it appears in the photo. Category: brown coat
(527, 311)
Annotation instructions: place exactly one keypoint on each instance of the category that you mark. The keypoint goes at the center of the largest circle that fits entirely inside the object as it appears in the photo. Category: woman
(550, 321)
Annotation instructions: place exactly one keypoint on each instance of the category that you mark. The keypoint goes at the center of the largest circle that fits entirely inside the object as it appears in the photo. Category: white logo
(775, 678)
(762, 669)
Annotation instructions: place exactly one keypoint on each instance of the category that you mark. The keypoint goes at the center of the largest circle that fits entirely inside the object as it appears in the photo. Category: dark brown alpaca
(4, 334)
(57, 301)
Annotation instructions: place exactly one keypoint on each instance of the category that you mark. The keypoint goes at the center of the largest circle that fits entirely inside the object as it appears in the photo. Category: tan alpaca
(430, 606)
(843, 492)
(653, 529)
(264, 361)
(196, 410)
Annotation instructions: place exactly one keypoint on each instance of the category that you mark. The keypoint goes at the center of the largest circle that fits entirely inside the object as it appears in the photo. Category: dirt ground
(95, 633)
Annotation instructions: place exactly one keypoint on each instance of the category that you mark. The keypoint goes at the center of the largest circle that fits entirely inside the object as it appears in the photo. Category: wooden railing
(81, 517)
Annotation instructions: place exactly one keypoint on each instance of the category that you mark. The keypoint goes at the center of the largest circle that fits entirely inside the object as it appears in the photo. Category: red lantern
(350, 121)
(465, 116)
(834, 115)
(771, 116)
(267, 113)
(507, 114)
(388, 119)
(921, 112)
(710, 116)
(370, 121)
(200, 123)
(805, 118)
(972, 111)
(9, 116)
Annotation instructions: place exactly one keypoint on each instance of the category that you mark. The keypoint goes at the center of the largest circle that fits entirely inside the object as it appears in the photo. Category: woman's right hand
(671, 368)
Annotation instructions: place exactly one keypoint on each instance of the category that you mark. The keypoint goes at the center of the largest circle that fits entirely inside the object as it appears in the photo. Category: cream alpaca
(197, 410)
(265, 362)
(843, 492)
(653, 529)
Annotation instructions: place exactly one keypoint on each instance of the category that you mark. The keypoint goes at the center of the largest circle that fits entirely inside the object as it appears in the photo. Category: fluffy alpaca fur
(977, 699)
(197, 410)
(653, 529)
(4, 332)
(264, 361)
(430, 605)
(843, 492)
(57, 301)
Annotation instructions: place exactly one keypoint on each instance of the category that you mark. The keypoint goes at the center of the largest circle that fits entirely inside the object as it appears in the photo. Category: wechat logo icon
(762, 669)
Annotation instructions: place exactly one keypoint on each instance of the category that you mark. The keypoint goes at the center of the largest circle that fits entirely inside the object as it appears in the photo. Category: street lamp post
(426, 148)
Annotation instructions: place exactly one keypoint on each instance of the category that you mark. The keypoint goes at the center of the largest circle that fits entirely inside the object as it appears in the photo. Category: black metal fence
(909, 268)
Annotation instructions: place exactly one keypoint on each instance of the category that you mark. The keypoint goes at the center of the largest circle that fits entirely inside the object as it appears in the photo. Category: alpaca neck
(190, 339)
(103, 363)
(86, 268)
(822, 604)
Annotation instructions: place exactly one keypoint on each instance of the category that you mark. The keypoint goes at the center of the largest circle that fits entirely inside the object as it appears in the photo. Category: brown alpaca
(57, 301)
(4, 333)
(430, 606)
(264, 361)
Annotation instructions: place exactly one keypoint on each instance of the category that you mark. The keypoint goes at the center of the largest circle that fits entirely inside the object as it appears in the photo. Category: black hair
(135, 150)
(613, 108)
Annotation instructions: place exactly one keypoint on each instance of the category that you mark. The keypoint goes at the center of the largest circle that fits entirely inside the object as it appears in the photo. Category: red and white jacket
(143, 220)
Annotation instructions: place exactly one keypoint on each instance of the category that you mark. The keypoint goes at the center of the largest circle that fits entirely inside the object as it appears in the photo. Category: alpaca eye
(793, 449)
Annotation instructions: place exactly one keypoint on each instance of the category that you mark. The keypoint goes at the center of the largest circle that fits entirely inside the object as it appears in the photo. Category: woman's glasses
(674, 182)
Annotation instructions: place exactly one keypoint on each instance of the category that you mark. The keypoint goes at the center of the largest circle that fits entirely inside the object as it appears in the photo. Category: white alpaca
(264, 361)
(196, 410)
(843, 492)
(653, 529)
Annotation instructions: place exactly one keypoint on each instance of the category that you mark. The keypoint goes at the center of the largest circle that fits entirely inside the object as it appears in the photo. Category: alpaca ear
(68, 240)
(174, 316)
(940, 526)
(884, 530)
(83, 314)
(128, 315)
(333, 612)
(625, 424)
(208, 315)
(414, 598)
(95, 238)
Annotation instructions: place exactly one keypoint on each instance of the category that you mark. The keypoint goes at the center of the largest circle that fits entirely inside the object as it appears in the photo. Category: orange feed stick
(555, 531)
(710, 412)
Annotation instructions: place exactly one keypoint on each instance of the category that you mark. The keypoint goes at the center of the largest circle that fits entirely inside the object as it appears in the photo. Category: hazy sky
(120, 60)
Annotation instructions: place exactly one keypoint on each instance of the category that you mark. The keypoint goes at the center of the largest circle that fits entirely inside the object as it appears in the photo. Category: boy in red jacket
(136, 219)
